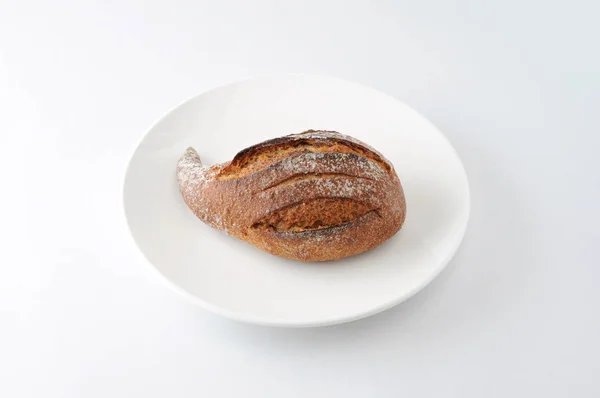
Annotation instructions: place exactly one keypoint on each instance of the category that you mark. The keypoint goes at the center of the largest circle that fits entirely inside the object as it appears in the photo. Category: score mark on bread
(313, 196)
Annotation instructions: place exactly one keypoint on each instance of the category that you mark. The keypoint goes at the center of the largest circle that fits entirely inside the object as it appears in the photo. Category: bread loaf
(313, 196)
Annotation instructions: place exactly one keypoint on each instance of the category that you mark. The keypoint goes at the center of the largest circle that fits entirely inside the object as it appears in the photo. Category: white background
(515, 85)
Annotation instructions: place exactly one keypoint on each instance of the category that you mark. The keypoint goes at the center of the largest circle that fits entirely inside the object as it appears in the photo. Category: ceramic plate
(236, 280)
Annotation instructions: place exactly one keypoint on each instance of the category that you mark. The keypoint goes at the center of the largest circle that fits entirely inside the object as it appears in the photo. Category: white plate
(235, 279)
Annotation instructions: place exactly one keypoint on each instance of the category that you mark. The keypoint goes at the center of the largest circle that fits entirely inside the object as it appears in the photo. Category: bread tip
(191, 154)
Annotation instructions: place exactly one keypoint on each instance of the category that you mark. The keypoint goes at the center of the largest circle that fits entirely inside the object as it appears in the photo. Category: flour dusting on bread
(313, 196)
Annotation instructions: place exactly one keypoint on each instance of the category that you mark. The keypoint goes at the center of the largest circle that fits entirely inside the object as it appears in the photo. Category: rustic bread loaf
(314, 196)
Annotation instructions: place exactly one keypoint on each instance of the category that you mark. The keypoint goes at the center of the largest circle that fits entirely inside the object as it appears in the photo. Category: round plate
(234, 279)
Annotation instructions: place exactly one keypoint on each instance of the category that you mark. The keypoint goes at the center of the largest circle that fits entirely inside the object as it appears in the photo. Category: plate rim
(241, 317)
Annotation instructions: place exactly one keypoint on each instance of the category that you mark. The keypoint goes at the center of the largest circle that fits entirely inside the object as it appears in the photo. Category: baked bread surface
(313, 196)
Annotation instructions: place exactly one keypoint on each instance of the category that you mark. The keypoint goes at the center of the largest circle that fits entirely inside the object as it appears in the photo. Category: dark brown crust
(298, 141)
(237, 203)
(319, 213)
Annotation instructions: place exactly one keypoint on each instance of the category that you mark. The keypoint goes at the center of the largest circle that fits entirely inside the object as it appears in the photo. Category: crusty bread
(313, 196)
